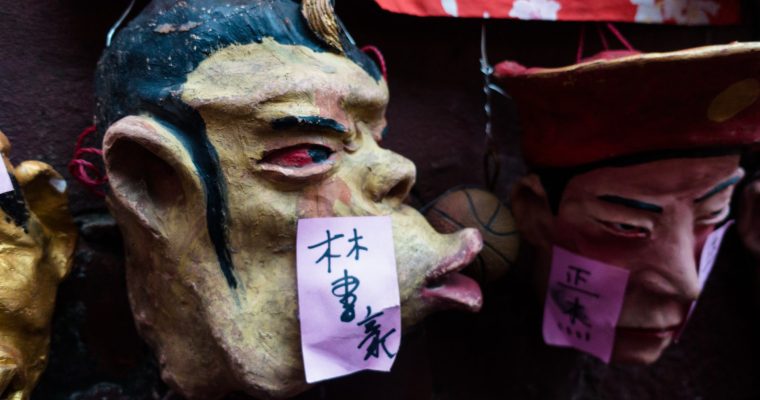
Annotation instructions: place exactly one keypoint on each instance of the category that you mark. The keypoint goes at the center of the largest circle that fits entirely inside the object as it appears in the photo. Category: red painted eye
(298, 156)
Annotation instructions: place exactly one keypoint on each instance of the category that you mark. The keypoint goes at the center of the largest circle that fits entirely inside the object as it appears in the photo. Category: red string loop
(581, 42)
(620, 36)
(603, 38)
(373, 50)
(85, 172)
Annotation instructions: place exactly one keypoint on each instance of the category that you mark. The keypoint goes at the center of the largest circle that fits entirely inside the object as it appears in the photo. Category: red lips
(446, 287)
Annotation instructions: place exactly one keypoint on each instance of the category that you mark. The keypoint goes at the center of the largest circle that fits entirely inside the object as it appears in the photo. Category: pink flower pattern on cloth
(680, 12)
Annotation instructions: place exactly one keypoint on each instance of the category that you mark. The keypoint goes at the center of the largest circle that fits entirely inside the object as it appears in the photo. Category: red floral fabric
(681, 12)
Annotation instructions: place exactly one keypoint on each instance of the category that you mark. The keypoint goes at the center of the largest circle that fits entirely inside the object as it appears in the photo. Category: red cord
(620, 36)
(379, 56)
(79, 167)
(602, 38)
(581, 41)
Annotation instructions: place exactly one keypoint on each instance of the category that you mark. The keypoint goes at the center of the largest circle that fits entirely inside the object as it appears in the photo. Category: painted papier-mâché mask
(37, 239)
(634, 158)
(226, 122)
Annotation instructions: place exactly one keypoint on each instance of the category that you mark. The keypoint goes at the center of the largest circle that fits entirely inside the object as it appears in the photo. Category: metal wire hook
(118, 23)
(491, 164)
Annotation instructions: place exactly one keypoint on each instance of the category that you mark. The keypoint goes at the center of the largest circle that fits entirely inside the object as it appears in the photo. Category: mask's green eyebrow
(719, 188)
(631, 203)
(308, 122)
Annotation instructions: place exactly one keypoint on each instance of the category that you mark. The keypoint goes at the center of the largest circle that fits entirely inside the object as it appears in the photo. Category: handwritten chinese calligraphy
(357, 248)
(344, 288)
(372, 330)
(327, 254)
(583, 303)
(344, 264)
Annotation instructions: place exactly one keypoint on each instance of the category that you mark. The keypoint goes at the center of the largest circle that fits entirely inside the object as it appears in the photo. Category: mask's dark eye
(626, 230)
(302, 155)
(715, 217)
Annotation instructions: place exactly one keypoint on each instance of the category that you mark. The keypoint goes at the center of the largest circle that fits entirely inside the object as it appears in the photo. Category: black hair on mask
(145, 68)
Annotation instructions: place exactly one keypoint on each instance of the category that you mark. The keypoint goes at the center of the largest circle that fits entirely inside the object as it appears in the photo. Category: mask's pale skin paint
(212, 340)
(658, 236)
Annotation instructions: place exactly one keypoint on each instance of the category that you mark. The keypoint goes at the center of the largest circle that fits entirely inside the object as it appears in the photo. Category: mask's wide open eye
(299, 156)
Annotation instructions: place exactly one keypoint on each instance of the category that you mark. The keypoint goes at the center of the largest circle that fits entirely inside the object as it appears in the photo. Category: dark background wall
(49, 49)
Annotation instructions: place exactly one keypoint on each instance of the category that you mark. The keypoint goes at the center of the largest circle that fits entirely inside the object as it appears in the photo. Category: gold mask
(37, 239)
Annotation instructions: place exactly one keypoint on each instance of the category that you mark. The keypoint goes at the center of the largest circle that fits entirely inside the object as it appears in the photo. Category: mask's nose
(678, 265)
(389, 178)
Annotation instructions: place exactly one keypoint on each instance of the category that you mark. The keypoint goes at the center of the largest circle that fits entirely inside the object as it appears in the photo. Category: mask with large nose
(208, 183)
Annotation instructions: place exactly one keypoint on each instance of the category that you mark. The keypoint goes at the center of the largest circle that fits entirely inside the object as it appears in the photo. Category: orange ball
(475, 208)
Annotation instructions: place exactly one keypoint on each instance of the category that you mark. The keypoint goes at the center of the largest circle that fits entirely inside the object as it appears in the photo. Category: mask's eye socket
(714, 217)
(626, 230)
(299, 156)
(302, 162)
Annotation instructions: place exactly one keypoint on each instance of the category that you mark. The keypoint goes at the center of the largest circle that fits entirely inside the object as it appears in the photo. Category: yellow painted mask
(226, 123)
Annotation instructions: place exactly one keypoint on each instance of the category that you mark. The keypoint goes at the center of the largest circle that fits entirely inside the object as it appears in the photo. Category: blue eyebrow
(631, 203)
(719, 188)
(308, 122)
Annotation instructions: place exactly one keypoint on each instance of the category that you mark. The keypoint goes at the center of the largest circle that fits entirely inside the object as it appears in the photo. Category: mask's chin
(636, 349)
(640, 345)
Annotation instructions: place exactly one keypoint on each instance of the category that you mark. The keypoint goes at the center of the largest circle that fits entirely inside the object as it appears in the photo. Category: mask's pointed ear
(154, 182)
(532, 212)
(44, 190)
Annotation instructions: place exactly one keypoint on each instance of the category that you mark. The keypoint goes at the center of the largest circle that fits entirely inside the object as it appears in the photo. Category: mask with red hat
(634, 158)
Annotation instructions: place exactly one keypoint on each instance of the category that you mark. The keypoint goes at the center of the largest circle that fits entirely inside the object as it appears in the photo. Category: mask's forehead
(242, 76)
(149, 60)
(680, 177)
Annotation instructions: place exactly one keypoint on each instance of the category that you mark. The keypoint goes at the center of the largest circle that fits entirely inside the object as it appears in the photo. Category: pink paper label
(348, 296)
(583, 303)
(5, 179)
(710, 253)
(706, 263)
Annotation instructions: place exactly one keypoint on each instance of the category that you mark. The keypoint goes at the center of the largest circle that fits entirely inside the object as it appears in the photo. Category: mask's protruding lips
(446, 287)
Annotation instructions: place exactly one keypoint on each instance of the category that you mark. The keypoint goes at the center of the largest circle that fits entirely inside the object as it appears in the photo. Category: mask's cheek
(28, 289)
(331, 198)
(27, 297)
